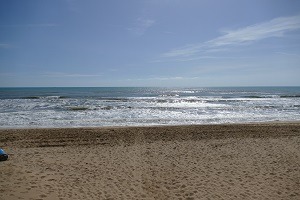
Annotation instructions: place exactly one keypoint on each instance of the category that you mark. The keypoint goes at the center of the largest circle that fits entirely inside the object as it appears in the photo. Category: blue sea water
(134, 106)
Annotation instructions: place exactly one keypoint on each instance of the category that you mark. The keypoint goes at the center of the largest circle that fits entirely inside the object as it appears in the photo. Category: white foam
(56, 112)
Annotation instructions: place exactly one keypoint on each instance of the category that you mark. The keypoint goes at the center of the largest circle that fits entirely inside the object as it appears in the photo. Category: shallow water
(86, 107)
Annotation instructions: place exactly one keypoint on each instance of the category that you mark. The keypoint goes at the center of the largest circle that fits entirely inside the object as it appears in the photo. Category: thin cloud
(167, 78)
(141, 26)
(277, 27)
(7, 74)
(29, 25)
(288, 54)
(70, 75)
(162, 78)
(5, 46)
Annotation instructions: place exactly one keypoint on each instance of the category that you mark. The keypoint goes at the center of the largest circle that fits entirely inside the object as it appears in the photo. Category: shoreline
(224, 161)
(157, 125)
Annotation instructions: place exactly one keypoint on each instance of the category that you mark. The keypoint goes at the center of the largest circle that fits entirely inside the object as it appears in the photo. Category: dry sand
(253, 161)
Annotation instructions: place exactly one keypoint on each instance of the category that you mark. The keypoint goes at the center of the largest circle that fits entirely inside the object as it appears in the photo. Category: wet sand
(242, 161)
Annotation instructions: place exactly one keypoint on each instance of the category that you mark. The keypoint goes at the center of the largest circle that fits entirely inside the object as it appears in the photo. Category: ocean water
(109, 106)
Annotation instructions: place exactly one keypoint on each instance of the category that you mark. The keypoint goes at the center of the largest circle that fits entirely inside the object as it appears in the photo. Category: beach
(226, 161)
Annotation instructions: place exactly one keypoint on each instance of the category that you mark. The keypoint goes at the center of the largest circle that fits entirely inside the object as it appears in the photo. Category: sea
(145, 106)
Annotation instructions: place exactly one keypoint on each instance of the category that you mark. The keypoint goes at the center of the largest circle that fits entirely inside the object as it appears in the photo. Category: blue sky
(149, 43)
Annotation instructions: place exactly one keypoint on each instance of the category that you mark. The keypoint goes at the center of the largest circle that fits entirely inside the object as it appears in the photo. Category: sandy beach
(241, 161)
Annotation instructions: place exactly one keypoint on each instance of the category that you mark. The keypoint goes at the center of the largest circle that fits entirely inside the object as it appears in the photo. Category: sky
(165, 43)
